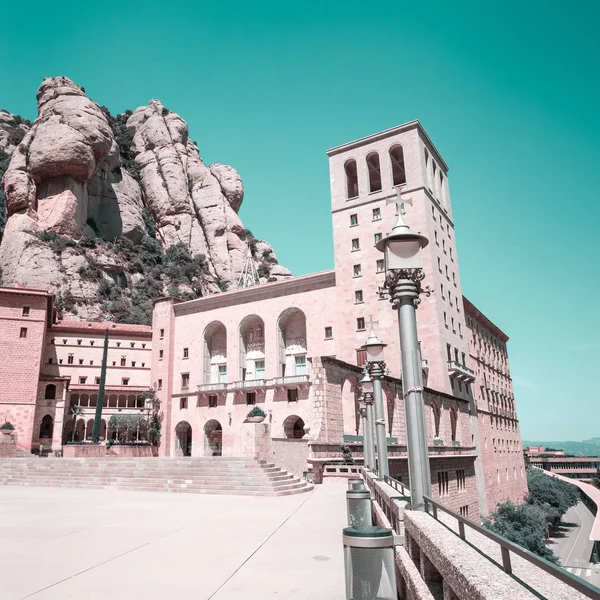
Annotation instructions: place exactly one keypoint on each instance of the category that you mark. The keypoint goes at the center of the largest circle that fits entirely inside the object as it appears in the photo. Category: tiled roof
(100, 326)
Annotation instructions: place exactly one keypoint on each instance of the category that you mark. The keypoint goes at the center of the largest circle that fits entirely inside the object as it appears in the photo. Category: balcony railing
(291, 380)
(212, 387)
(250, 384)
(460, 371)
(243, 385)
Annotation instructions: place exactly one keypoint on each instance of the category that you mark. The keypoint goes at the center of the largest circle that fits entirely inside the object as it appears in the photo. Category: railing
(292, 379)
(211, 387)
(507, 547)
(254, 383)
(250, 383)
(460, 370)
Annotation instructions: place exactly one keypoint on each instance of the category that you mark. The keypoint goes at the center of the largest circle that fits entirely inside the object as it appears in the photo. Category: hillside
(110, 212)
(589, 447)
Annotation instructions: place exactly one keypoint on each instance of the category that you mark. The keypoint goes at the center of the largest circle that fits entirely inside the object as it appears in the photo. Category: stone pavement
(78, 543)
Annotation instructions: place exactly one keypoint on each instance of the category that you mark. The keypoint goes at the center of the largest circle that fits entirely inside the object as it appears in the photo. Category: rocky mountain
(112, 212)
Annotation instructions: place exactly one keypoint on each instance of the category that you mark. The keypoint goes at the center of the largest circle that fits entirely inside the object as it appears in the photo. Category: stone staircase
(209, 475)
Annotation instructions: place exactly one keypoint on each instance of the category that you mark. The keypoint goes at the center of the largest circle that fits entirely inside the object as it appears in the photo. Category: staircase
(209, 475)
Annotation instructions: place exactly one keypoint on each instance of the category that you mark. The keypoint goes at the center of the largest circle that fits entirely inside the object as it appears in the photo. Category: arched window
(50, 392)
(46, 427)
(453, 422)
(398, 170)
(436, 419)
(351, 179)
(374, 172)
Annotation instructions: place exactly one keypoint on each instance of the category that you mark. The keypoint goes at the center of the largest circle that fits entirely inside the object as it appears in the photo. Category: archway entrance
(183, 439)
(293, 427)
(213, 438)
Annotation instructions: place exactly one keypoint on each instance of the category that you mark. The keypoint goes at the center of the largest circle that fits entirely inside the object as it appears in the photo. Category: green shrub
(256, 412)
(7, 426)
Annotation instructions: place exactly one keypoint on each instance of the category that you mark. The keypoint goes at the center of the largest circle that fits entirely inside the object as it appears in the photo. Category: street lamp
(376, 368)
(403, 276)
(368, 444)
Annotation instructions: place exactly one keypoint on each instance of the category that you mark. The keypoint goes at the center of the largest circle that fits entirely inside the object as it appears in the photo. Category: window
(355, 244)
(125, 381)
(159, 384)
(351, 179)
(132, 344)
(461, 480)
(453, 328)
(456, 356)
(380, 265)
(442, 290)
(70, 359)
(259, 369)
(435, 236)
(292, 395)
(361, 357)
(50, 392)
(358, 297)
(118, 344)
(64, 341)
(451, 257)
(251, 398)
(23, 333)
(26, 311)
(212, 402)
(81, 361)
(443, 483)
(300, 364)
(454, 279)
(360, 324)
(446, 320)
(79, 342)
(353, 220)
(97, 381)
(222, 373)
(433, 212)
(82, 380)
(439, 264)
(464, 511)
(464, 362)
(374, 172)
(328, 333)
(185, 381)
(398, 171)
(46, 427)
(449, 351)
(91, 342)
(450, 299)
(52, 341)
(377, 237)
(376, 214)
(357, 271)
(183, 403)
(123, 361)
(186, 353)
(160, 355)
(143, 345)
(162, 334)
(50, 360)
(444, 246)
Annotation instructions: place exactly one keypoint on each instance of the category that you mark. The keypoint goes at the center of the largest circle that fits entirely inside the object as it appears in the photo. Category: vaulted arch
(214, 364)
(374, 167)
(351, 178)
(397, 162)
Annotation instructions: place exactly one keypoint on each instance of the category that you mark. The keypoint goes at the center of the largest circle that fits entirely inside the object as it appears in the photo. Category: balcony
(460, 372)
(248, 385)
(209, 388)
(285, 382)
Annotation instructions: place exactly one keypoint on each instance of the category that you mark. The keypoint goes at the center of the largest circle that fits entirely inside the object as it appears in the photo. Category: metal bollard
(358, 503)
(369, 563)
(356, 483)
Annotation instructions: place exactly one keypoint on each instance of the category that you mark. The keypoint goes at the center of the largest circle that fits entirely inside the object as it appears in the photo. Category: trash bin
(358, 503)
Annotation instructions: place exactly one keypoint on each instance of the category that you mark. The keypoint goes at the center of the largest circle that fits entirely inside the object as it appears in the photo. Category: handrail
(405, 491)
(507, 547)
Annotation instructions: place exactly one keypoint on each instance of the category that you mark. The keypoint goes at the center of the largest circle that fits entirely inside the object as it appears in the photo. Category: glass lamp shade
(374, 352)
(403, 253)
(367, 384)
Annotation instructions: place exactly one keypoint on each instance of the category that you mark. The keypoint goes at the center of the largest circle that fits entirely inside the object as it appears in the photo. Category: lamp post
(369, 444)
(403, 276)
(376, 368)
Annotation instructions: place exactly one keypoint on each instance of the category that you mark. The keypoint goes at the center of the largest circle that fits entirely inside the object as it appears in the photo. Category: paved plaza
(92, 544)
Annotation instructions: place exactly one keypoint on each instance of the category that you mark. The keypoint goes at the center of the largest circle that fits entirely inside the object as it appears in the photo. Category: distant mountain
(589, 447)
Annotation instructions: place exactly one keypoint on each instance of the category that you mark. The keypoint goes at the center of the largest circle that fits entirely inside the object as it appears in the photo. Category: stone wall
(291, 455)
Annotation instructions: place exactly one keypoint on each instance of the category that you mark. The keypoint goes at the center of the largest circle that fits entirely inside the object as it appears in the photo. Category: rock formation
(109, 212)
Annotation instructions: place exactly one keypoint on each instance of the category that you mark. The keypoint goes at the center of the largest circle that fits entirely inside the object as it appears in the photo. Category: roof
(472, 310)
(101, 326)
(388, 133)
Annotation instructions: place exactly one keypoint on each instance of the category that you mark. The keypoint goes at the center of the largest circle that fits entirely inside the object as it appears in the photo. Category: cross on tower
(399, 201)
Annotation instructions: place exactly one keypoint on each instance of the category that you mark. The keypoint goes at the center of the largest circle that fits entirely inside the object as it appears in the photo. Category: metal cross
(399, 201)
(370, 322)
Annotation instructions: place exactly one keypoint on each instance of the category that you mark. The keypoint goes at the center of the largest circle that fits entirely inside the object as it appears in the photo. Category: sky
(508, 92)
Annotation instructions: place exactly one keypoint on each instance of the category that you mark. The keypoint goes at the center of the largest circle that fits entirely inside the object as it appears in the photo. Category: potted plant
(7, 428)
(256, 415)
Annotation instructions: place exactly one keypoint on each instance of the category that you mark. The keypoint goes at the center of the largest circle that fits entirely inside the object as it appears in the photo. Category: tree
(523, 524)
(544, 489)
(76, 411)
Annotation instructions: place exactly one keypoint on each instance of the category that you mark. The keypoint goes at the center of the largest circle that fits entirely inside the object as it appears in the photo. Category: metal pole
(100, 401)
(368, 433)
(404, 294)
(376, 372)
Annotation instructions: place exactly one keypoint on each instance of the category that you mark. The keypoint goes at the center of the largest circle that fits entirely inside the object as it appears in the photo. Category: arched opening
(213, 438)
(67, 431)
(397, 160)
(215, 353)
(453, 422)
(350, 406)
(50, 392)
(292, 348)
(84, 400)
(293, 427)
(435, 409)
(102, 430)
(252, 348)
(374, 172)
(74, 400)
(80, 431)
(351, 178)
(46, 427)
(183, 439)
(93, 400)
(89, 428)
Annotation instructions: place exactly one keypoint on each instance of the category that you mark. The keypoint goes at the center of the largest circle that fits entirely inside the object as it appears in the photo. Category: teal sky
(509, 93)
